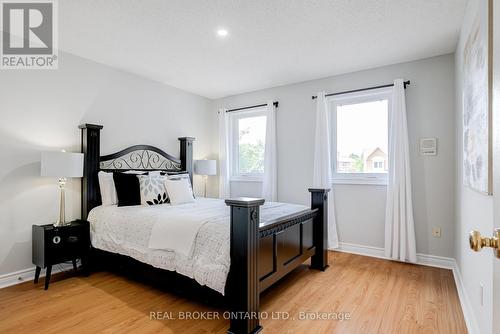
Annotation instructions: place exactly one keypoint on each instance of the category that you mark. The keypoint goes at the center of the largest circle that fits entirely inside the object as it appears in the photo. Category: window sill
(245, 179)
(361, 181)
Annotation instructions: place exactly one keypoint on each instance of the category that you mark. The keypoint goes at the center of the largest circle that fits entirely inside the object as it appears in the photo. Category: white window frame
(234, 117)
(353, 98)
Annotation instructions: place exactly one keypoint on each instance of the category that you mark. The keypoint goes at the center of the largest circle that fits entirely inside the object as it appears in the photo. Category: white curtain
(399, 225)
(270, 180)
(322, 174)
(224, 169)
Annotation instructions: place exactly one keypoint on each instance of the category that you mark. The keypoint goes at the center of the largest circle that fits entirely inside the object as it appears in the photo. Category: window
(248, 137)
(360, 136)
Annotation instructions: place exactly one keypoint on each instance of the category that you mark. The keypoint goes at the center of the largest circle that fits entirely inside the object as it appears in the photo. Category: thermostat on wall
(428, 146)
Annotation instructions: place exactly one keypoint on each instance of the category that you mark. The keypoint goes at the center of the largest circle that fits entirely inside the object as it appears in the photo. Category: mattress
(128, 231)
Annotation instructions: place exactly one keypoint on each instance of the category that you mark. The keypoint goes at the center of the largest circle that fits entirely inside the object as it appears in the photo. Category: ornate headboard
(138, 157)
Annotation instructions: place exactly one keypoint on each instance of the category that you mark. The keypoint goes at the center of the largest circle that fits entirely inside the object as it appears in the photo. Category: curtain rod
(250, 107)
(406, 83)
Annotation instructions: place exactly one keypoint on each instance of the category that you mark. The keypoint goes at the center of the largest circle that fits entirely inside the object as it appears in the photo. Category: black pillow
(128, 190)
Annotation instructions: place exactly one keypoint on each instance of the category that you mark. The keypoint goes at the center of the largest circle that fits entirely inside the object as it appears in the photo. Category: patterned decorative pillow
(153, 190)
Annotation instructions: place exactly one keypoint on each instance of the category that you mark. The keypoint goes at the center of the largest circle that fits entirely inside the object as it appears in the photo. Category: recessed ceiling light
(222, 32)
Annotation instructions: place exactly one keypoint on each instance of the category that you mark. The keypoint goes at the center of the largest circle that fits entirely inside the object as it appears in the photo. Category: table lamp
(205, 168)
(62, 165)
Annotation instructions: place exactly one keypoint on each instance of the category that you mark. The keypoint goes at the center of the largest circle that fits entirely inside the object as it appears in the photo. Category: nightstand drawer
(62, 247)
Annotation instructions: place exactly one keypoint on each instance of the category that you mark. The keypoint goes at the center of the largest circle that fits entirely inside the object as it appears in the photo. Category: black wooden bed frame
(261, 254)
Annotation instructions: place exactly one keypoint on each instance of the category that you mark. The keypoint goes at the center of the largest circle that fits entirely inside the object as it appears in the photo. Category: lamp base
(205, 178)
(62, 209)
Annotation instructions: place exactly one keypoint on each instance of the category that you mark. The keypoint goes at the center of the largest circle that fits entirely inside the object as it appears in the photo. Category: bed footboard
(263, 254)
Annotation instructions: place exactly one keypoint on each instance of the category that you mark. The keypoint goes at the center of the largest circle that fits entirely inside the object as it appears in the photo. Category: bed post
(186, 153)
(91, 148)
(319, 200)
(243, 281)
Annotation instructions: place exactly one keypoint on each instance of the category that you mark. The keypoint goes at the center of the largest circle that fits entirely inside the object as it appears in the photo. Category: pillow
(179, 191)
(107, 187)
(127, 187)
(133, 171)
(152, 189)
(179, 176)
(174, 173)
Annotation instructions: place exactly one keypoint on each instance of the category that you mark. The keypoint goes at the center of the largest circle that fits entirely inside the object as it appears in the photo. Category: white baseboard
(29, 275)
(361, 250)
(470, 318)
(422, 259)
(435, 261)
(425, 260)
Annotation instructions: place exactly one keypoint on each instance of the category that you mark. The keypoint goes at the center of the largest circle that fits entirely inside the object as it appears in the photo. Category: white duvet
(191, 239)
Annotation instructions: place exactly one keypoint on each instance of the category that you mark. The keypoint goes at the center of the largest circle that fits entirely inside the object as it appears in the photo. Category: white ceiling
(270, 42)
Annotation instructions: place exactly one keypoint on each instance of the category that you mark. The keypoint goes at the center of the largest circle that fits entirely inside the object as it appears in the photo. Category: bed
(238, 247)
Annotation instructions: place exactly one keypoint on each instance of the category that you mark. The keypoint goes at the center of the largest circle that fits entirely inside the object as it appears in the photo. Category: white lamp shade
(205, 167)
(62, 164)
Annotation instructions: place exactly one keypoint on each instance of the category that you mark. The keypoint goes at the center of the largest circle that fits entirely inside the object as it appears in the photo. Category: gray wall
(361, 208)
(473, 210)
(40, 110)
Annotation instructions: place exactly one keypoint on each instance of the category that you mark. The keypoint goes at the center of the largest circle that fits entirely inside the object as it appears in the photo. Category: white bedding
(191, 239)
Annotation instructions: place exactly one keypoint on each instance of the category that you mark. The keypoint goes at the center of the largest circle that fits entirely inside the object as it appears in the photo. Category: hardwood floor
(380, 296)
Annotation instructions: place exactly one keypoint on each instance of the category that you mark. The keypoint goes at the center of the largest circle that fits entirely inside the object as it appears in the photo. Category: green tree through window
(251, 144)
(252, 158)
(358, 163)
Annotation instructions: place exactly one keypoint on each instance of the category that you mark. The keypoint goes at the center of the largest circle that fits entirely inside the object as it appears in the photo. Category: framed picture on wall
(477, 101)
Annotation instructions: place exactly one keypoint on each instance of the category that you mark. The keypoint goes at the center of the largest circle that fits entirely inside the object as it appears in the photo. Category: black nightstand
(53, 245)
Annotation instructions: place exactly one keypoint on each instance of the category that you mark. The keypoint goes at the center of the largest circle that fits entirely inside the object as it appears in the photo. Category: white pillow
(179, 191)
(179, 176)
(133, 171)
(153, 190)
(107, 187)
